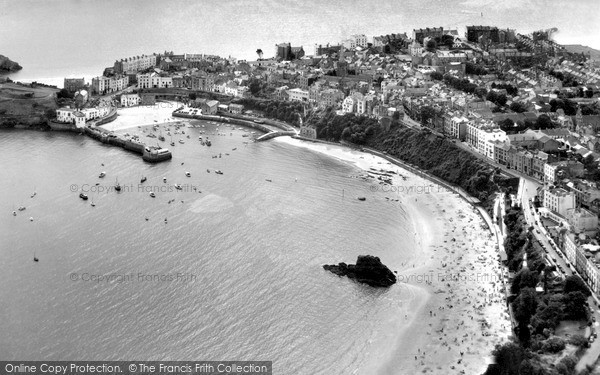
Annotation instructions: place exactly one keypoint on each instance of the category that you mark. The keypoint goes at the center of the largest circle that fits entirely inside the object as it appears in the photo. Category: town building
(559, 200)
(135, 64)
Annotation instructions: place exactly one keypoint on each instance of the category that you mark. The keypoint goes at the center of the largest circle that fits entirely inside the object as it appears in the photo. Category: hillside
(578, 48)
(441, 158)
(26, 105)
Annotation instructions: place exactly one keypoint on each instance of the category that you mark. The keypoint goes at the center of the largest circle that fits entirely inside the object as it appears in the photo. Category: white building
(102, 84)
(298, 95)
(348, 105)
(559, 200)
(582, 221)
(486, 138)
(153, 80)
(360, 40)
(65, 115)
(130, 100)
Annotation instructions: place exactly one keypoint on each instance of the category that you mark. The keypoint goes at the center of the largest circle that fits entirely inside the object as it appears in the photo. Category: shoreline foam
(466, 314)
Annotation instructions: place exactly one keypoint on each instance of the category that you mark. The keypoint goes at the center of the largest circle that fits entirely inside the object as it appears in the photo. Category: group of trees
(349, 127)
(276, 109)
(537, 314)
(476, 69)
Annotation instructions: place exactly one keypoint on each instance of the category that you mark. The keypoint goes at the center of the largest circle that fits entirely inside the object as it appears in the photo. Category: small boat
(218, 171)
(14, 213)
(164, 179)
(188, 174)
(362, 198)
(269, 180)
(22, 208)
(208, 142)
(117, 186)
(152, 194)
(178, 187)
(208, 171)
(102, 174)
(233, 149)
(161, 138)
(31, 218)
(143, 180)
(93, 204)
(35, 259)
(83, 196)
(181, 141)
(172, 143)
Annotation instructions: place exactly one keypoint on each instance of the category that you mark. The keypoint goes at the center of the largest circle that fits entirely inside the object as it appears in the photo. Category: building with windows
(130, 100)
(132, 65)
(559, 200)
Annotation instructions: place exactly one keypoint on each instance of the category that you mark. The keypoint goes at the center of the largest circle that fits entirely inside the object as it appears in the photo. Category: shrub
(553, 345)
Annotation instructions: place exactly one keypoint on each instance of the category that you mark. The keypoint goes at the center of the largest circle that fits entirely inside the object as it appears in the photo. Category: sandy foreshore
(143, 115)
(460, 313)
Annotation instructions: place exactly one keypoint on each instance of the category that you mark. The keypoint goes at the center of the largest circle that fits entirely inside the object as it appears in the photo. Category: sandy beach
(459, 313)
(143, 115)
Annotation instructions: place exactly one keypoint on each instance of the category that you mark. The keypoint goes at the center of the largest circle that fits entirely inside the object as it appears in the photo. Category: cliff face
(368, 270)
(7, 65)
(441, 158)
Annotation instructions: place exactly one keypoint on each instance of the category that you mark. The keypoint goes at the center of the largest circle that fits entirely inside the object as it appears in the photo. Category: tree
(553, 345)
(517, 107)
(436, 76)
(501, 100)
(492, 96)
(346, 133)
(427, 113)
(575, 306)
(192, 96)
(525, 305)
(481, 92)
(431, 45)
(259, 52)
(508, 357)
(574, 283)
(64, 94)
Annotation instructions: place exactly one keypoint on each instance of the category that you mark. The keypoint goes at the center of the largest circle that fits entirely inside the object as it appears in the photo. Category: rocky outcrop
(7, 65)
(368, 270)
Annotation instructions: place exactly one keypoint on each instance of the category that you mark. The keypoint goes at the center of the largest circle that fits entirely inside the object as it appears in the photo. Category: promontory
(7, 65)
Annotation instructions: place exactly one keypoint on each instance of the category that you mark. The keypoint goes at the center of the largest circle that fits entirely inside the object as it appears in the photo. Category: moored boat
(83, 196)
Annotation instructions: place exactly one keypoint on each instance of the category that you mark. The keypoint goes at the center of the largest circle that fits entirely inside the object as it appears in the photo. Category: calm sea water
(79, 38)
(249, 252)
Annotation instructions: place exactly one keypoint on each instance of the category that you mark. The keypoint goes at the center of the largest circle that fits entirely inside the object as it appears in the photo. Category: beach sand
(132, 117)
(459, 312)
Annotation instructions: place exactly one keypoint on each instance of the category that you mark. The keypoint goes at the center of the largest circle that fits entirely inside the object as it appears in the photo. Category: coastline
(456, 279)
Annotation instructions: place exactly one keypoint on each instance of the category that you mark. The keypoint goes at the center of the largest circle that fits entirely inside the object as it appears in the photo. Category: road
(527, 191)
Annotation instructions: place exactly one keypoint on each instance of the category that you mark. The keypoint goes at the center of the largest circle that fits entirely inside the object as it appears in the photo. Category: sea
(228, 267)
(54, 39)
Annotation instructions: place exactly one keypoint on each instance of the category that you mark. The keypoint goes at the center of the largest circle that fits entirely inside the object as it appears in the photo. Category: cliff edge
(368, 270)
(7, 65)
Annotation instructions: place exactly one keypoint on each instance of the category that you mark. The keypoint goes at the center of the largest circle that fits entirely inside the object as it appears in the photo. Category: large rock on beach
(368, 270)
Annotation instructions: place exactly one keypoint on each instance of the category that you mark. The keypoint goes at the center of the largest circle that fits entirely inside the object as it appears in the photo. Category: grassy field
(25, 105)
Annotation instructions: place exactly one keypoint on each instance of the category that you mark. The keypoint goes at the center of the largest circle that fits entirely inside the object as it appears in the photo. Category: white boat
(102, 174)
(188, 174)
(152, 194)
(178, 187)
